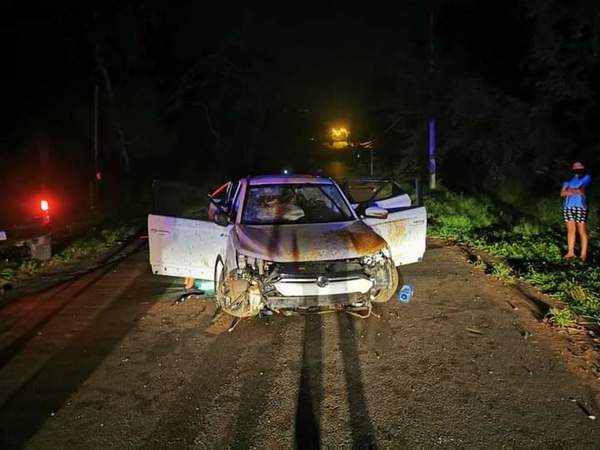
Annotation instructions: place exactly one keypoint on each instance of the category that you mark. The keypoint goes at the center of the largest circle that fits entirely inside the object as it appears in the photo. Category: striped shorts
(575, 215)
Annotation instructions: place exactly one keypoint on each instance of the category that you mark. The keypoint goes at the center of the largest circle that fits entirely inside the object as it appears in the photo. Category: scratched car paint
(289, 242)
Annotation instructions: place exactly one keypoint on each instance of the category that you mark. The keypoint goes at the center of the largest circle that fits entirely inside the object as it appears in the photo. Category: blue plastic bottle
(406, 293)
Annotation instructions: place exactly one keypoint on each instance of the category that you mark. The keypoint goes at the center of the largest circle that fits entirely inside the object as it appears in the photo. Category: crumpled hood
(307, 242)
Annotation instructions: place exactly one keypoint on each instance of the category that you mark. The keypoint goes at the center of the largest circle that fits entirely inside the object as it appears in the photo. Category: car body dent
(405, 233)
(307, 242)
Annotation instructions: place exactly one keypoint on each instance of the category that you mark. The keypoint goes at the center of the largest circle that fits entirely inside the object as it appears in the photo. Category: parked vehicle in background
(25, 220)
(285, 242)
(364, 192)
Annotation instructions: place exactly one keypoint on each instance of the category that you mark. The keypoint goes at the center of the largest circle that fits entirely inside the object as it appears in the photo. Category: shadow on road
(363, 434)
(44, 392)
(310, 394)
(7, 353)
(257, 386)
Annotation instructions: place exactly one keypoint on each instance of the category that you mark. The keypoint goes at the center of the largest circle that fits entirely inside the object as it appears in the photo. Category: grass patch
(93, 241)
(561, 317)
(531, 245)
(8, 272)
(502, 271)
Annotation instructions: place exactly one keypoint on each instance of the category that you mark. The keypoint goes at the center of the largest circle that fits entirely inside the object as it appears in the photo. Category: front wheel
(236, 296)
(385, 294)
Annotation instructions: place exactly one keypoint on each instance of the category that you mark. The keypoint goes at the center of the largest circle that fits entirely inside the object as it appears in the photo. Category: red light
(44, 205)
(98, 175)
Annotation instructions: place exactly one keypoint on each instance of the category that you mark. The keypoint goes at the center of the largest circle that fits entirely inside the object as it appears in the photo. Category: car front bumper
(299, 290)
(309, 301)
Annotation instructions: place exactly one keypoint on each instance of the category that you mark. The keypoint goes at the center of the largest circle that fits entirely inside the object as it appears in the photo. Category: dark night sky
(334, 61)
(328, 55)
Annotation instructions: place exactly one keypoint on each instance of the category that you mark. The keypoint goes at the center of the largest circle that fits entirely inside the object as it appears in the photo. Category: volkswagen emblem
(322, 281)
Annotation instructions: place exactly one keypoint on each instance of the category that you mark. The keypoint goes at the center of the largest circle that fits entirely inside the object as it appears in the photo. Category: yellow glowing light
(339, 145)
(340, 134)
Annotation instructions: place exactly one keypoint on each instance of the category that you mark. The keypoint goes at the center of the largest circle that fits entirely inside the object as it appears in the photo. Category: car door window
(176, 199)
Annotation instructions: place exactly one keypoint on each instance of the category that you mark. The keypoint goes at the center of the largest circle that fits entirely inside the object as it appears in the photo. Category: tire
(384, 295)
(239, 309)
(218, 280)
(41, 248)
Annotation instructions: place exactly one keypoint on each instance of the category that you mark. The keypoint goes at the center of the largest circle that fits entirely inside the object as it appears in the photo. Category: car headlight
(375, 258)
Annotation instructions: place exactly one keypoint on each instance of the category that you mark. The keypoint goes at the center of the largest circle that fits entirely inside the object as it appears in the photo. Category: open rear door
(185, 247)
(405, 232)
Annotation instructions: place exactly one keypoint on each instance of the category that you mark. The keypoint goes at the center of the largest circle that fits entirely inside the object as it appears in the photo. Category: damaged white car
(287, 242)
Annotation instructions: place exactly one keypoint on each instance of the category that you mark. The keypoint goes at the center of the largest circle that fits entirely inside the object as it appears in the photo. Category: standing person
(575, 209)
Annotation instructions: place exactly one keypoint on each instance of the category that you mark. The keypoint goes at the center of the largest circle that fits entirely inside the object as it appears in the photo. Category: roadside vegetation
(74, 247)
(529, 243)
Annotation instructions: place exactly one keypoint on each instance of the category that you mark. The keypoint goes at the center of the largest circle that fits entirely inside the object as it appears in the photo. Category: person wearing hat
(575, 209)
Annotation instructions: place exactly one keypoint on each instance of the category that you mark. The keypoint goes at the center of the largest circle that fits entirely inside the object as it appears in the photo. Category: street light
(340, 134)
(339, 138)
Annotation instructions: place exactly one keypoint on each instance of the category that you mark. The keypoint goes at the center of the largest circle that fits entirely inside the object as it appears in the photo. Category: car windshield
(294, 203)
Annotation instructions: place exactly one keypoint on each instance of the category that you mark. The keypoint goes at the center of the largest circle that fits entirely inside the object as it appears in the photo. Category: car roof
(288, 179)
(368, 179)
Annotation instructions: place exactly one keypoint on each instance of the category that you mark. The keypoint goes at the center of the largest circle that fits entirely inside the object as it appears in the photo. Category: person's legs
(571, 231)
(583, 238)
(188, 282)
(582, 230)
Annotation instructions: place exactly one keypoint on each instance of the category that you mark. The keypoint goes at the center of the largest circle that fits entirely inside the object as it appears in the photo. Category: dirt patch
(581, 341)
(220, 323)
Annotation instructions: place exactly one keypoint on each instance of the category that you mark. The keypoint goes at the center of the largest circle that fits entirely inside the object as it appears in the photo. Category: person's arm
(567, 192)
(585, 182)
(580, 190)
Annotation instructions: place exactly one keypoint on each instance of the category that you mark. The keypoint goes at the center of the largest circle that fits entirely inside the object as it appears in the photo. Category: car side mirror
(220, 218)
(376, 212)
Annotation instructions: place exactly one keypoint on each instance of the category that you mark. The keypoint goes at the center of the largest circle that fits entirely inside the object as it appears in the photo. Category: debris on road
(235, 324)
(189, 293)
(474, 331)
(584, 409)
(522, 331)
(265, 313)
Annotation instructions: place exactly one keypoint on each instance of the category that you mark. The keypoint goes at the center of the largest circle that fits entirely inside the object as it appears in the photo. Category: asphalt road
(107, 361)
